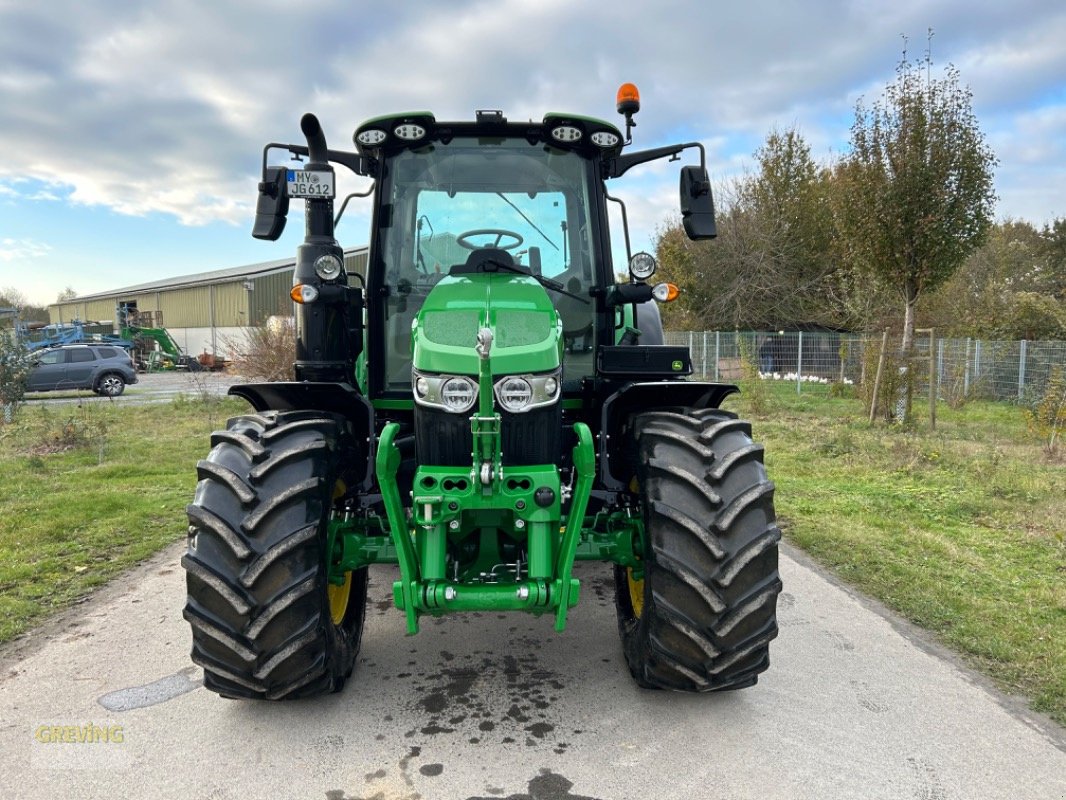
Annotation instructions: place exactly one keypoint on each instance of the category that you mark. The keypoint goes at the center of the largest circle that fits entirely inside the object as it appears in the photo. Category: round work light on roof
(371, 137)
(566, 133)
(605, 139)
(642, 266)
(409, 132)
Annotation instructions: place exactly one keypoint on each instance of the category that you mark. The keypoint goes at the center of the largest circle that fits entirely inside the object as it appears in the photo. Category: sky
(131, 132)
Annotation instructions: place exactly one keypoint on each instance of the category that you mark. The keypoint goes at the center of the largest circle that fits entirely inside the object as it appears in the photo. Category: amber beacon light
(628, 99)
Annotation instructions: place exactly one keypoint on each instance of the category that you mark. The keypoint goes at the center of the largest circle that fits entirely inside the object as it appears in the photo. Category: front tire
(110, 385)
(266, 622)
(703, 616)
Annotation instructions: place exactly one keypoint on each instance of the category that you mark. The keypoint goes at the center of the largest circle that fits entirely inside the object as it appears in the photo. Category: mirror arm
(353, 161)
(618, 166)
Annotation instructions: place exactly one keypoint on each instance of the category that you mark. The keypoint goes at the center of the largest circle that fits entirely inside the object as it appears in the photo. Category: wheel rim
(111, 385)
(338, 599)
(636, 593)
(338, 594)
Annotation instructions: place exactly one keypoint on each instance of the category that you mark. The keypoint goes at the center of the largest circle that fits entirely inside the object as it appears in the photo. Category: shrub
(1047, 416)
(14, 372)
(267, 352)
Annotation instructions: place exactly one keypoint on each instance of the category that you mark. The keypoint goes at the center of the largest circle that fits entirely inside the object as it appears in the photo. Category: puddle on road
(151, 694)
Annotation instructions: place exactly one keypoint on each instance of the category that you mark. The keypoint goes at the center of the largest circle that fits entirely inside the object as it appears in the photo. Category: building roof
(202, 278)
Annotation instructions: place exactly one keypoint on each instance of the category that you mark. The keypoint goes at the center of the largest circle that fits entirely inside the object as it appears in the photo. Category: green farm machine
(488, 406)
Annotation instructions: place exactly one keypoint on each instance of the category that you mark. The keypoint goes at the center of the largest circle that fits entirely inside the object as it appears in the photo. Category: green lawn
(89, 490)
(962, 531)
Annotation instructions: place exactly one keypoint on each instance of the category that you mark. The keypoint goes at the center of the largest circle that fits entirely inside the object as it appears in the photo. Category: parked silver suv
(103, 368)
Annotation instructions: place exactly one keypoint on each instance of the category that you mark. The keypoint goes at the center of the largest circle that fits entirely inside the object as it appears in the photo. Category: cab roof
(588, 136)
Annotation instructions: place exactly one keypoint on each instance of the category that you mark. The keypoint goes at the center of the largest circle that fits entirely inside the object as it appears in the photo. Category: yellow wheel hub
(636, 593)
(338, 595)
(338, 598)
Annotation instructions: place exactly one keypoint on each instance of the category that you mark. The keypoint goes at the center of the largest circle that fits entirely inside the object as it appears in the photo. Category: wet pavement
(103, 701)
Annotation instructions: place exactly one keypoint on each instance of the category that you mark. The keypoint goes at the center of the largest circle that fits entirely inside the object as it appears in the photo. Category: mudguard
(332, 398)
(647, 396)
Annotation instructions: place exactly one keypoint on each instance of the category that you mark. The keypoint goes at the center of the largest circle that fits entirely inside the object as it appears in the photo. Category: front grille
(443, 439)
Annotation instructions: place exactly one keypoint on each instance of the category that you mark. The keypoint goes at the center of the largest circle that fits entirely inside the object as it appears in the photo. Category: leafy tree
(770, 265)
(1009, 288)
(915, 196)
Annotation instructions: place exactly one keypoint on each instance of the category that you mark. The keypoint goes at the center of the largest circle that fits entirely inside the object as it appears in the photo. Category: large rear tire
(266, 622)
(702, 617)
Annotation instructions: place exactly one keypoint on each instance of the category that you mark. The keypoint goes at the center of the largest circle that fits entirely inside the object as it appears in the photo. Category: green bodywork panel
(527, 330)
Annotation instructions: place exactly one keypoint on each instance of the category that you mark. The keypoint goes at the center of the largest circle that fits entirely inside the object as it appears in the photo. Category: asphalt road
(855, 705)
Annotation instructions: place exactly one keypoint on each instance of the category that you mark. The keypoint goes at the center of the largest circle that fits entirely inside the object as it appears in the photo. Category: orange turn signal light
(303, 293)
(665, 292)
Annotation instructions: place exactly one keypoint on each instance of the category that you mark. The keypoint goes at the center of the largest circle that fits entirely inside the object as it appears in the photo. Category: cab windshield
(445, 201)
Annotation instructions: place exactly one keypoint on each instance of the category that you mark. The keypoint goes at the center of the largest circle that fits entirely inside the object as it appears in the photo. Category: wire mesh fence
(961, 368)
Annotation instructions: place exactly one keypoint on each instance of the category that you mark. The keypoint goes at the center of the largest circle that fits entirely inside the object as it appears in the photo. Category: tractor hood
(526, 329)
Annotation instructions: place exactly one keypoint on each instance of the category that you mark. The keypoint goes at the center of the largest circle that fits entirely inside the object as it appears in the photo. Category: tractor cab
(488, 204)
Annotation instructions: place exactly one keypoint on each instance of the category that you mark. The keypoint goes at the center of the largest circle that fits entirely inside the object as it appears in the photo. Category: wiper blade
(547, 283)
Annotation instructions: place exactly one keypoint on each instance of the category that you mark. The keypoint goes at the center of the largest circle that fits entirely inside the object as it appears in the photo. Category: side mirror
(697, 204)
(273, 204)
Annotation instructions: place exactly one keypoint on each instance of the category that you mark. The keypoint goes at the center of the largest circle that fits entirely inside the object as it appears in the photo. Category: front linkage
(451, 505)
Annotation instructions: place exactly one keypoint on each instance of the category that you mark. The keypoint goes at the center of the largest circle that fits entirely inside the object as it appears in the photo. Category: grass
(87, 491)
(961, 530)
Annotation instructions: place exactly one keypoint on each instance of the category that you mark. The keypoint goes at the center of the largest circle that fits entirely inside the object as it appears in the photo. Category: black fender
(333, 398)
(646, 396)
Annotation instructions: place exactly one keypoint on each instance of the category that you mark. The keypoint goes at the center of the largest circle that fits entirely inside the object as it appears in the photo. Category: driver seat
(479, 261)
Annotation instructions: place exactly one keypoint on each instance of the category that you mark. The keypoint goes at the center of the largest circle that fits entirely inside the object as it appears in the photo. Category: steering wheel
(499, 233)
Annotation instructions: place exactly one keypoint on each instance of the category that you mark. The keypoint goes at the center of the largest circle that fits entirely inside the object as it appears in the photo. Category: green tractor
(488, 407)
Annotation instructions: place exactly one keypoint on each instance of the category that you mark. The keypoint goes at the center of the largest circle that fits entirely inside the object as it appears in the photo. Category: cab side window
(78, 356)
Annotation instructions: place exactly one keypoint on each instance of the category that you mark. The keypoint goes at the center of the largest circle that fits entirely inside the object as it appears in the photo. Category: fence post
(966, 371)
(877, 379)
(703, 372)
(939, 366)
(717, 352)
(1021, 371)
(799, 365)
(932, 381)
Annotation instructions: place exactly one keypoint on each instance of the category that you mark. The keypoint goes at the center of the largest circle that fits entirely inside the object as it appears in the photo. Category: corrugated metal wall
(243, 301)
(270, 296)
(356, 263)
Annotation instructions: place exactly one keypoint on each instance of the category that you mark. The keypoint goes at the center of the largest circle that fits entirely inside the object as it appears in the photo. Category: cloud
(14, 251)
(163, 107)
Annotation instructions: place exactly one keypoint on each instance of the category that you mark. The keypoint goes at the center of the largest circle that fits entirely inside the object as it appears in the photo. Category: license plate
(311, 184)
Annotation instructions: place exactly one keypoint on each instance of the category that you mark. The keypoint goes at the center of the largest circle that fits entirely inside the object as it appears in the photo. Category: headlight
(328, 267)
(454, 393)
(515, 394)
(642, 266)
(520, 393)
(458, 394)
